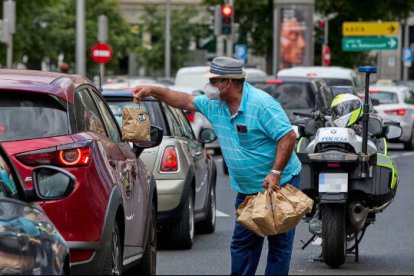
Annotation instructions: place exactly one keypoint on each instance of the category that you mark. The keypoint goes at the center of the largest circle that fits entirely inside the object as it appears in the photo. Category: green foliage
(150, 54)
(47, 28)
(256, 20)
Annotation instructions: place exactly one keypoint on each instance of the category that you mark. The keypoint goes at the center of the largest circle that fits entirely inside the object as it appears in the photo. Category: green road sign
(369, 43)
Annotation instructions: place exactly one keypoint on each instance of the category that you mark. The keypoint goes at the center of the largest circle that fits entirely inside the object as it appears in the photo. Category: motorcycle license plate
(333, 182)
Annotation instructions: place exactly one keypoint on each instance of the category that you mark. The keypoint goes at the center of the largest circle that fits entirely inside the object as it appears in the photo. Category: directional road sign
(369, 28)
(369, 43)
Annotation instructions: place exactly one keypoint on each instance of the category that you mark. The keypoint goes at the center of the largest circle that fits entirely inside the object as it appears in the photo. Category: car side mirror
(207, 135)
(375, 102)
(156, 135)
(52, 183)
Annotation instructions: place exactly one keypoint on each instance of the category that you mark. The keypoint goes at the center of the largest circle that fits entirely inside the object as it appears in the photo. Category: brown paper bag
(284, 215)
(136, 125)
(299, 200)
(262, 214)
(244, 215)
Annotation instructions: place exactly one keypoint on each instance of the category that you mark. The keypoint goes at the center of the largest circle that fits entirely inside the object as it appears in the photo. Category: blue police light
(367, 69)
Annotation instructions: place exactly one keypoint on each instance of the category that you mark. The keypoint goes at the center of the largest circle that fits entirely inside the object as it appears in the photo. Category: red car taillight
(399, 112)
(73, 155)
(169, 162)
(190, 116)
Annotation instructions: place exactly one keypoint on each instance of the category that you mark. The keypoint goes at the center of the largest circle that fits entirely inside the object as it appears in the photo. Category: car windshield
(385, 97)
(30, 115)
(337, 82)
(290, 95)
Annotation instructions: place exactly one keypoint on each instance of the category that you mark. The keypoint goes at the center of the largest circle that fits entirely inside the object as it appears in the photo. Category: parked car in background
(298, 94)
(332, 75)
(109, 220)
(396, 103)
(29, 242)
(184, 171)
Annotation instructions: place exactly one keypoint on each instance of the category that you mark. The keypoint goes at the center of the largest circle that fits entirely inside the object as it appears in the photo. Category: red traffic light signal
(226, 10)
(321, 23)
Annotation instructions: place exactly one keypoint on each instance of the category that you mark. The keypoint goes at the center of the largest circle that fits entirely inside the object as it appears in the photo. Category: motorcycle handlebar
(303, 114)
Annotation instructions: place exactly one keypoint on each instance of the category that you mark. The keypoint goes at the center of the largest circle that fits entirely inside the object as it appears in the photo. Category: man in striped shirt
(256, 140)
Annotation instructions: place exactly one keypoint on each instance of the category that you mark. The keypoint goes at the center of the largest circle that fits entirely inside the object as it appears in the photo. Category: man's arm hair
(176, 99)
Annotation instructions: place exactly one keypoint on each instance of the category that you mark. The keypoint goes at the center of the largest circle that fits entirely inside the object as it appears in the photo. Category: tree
(151, 53)
(47, 28)
(256, 22)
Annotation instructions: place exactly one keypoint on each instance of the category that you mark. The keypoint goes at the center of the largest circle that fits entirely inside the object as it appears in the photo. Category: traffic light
(216, 19)
(226, 22)
(320, 31)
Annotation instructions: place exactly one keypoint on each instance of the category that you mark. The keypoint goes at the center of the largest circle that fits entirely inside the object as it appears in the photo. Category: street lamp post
(167, 57)
(80, 37)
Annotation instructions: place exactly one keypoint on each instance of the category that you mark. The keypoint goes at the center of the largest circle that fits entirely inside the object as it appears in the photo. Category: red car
(109, 221)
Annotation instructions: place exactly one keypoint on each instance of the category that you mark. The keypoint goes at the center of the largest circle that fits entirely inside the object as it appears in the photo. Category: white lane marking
(221, 214)
(403, 154)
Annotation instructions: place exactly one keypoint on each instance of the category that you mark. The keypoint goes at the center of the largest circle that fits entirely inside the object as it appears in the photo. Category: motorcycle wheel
(333, 234)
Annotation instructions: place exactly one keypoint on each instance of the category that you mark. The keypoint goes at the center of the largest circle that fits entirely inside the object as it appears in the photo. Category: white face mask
(212, 92)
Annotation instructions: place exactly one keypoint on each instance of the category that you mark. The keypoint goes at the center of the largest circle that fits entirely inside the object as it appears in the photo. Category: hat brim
(238, 76)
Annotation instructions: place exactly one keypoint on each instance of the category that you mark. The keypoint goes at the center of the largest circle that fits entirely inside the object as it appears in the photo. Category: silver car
(185, 173)
(396, 103)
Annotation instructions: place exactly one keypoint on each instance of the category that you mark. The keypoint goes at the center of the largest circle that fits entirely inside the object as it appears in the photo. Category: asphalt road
(387, 248)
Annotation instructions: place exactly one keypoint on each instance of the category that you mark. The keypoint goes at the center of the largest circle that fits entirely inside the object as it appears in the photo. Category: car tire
(148, 264)
(113, 262)
(208, 225)
(182, 233)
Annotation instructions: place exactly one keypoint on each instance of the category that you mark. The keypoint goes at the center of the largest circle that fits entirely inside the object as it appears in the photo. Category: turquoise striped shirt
(248, 139)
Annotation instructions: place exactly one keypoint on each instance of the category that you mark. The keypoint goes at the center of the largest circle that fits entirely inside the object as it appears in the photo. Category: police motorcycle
(347, 171)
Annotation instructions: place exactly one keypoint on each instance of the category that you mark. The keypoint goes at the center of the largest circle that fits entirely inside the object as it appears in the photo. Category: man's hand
(141, 92)
(272, 183)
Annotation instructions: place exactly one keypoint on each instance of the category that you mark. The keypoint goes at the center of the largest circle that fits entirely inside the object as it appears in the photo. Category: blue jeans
(246, 247)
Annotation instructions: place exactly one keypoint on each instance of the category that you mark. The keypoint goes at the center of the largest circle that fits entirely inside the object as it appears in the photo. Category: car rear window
(338, 82)
(290, 95)
(31, 115)
(152, 107)
(385, 97)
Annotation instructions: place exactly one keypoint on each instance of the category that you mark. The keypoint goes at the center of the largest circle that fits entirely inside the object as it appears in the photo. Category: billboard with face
(295, 41)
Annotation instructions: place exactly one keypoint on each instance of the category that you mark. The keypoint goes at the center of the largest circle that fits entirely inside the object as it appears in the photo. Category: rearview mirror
(374, 126)
(393, 132)
(52, 183)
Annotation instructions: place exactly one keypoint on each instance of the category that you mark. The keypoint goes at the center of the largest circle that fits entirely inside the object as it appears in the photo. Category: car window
(291, 95)
(7, 182)
(409, 97)
(111, 125)
(385, 97)
(172, 121)
(338, 82)
(87, 114)
(31, 115)
(187, 130)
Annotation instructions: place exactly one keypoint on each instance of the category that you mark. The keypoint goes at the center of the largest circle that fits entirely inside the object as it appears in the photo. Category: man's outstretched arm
(176, 99)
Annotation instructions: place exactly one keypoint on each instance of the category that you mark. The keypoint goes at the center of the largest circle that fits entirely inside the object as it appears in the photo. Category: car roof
(319, 71)
(58, 84)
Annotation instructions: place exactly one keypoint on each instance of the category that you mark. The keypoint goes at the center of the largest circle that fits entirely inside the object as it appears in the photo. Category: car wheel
(209, 224)
(113, 263)
(148, 264)
(182, 234)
